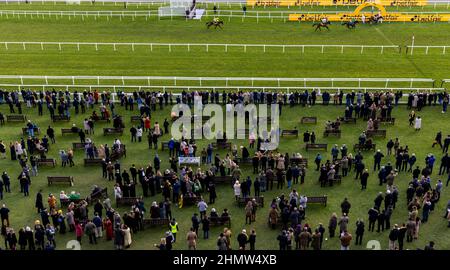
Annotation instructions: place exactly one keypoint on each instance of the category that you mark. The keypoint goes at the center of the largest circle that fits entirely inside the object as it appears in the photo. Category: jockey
(216, 19)
(324, 20)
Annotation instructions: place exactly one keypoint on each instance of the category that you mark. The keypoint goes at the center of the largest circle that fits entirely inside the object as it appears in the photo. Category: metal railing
(147, 81)
(115, 45)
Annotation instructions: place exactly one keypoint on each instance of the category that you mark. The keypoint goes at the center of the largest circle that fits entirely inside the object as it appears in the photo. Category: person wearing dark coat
(359, 232)
(39, 202)
(380, 219)
(401, 236)
(345, 206)
(212, 192)
(282, 240)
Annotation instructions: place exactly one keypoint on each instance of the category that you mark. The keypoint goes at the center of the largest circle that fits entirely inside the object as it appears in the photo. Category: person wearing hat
(411, 161)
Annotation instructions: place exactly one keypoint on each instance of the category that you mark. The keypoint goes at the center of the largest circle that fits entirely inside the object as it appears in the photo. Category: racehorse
(350, 25)
(375, 19)
(320, 25)
(211, 23)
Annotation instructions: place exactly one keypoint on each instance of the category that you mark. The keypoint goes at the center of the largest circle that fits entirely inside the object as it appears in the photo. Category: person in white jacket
(237, 190)
(418, 123)
(139, 134)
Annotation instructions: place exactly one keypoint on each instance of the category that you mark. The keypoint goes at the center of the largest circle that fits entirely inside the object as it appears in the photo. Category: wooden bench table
(289, 132)
(309, 120)
(136, 118)
(47, 161)
(36, 131)
(92, 161)
(60, 179)
(189, 161)
(67, 131)
(128, 201)
(364, 147)
(318, 199)
(16, 118)
(151, 222)
(299, 161)
(376, 133)
(79, 146)
(57, 118)
(316, 146)
(112, 131)
(220, 221)
(336, 133)
(243, 201)
(387, 120)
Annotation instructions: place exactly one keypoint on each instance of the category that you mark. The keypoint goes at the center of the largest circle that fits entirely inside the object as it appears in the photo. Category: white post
(426, 50)
(412, 45)
(24, 48)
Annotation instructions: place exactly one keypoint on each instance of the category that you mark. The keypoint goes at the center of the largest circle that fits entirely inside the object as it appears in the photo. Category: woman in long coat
(127, 236)
(107, 224)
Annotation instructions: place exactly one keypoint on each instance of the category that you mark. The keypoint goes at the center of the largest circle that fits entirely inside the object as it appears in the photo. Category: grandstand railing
(188, 46)
(200, 81)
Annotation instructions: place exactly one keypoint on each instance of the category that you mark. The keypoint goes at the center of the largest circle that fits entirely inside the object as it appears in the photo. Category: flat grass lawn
(23, 213)
(216, 62)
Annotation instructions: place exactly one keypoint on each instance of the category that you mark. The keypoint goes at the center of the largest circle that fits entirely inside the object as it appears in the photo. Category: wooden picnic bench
(101, 194)
(243, 201)
(46, 161)
(336, 133)
(376, 133)
(60, 179)
(79, 146)
(151, 222)
(116, 154)
(35, 129)
(16, 118)
(92, 161)
(67, 131)
(316, 146)
(221, 145)
(390, 120)
(289, 132)
(57, 117)
(318, 199)
(136, 118)
(364, 147)
(112, 131)
(309, 120)
(128, 201)
(299, 161)
(190, 200)
(348, 120)
(227, 179)
(219, 221)
(242, 161)
(66, 202)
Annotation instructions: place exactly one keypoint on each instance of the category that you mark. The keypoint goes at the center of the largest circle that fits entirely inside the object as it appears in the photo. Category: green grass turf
(419, 143)
(216, 62)
(235, 63)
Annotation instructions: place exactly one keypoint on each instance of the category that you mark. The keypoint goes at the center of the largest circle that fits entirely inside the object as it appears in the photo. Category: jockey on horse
(216, 22)
(323, 23)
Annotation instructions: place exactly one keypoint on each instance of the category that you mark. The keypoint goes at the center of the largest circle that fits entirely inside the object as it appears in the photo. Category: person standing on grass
(359, 231)
(332, 225)
(191, 239)
(252, 239)
(418, 123)
(205, 227)
(346, 239)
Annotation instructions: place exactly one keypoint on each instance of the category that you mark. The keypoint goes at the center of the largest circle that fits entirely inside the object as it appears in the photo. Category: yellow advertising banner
(389, 17)
(402, 3)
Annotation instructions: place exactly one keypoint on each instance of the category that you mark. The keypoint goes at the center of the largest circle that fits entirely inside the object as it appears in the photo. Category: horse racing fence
(147, 14)
(213, 83)
(44, 45)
